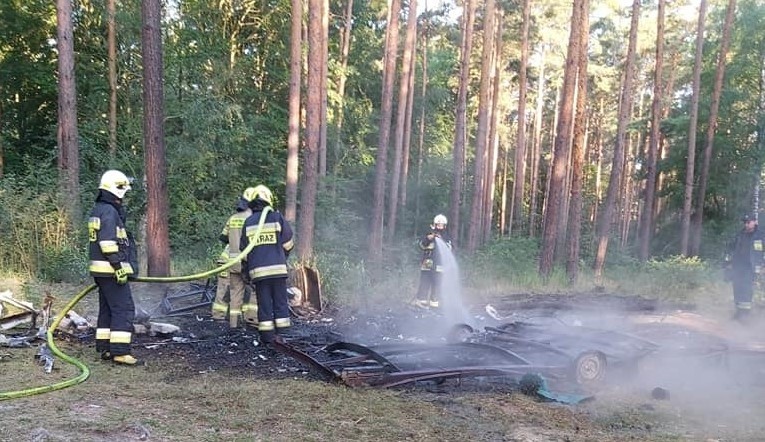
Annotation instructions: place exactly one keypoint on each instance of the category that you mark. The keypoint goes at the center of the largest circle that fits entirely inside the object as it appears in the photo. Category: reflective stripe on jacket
(268, 259)
(109, 245)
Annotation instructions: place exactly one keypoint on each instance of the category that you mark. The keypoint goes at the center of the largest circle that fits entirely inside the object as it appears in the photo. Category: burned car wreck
(569, 354)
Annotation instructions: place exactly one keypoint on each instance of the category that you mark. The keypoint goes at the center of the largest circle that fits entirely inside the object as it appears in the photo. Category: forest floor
(702, 380)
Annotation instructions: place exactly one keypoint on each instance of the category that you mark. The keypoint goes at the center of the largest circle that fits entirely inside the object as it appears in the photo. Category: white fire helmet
(115, 182)
(440, 219)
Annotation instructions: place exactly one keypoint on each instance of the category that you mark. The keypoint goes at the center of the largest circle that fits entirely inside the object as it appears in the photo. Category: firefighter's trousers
(239, 305)
(273, 307)
(743, 290)
(430, 287)
(116, 313)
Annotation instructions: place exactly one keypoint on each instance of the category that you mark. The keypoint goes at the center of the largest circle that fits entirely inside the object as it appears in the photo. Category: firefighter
(112, 260)
(431, 264)
(744, 261)
(219, 305)
(266, 264)
(232, 281)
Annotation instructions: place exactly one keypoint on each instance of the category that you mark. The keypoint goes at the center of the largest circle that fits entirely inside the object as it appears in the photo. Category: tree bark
(408, 130)
(519, 180)
(491, 182)
(403, 99)
(562, 143)
(646, 232)
(482, 134)
(309, 188)
(386, 110)
(293, 132)
(537, 149)
(617, 165)
(157, 207)
(460, 127)
(2, 151)
(421, 135)
(68, 148)
(345, 48)
(111, 45)
(324, 82)
(714, 108)
(578, 147)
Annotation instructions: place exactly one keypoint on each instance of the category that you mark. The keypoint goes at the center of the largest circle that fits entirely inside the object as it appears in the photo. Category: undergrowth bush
(674, 278)
(36, 238)
(507, 263)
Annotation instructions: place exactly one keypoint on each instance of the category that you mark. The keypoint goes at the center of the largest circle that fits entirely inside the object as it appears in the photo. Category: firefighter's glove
(121, 275)
(430, 236)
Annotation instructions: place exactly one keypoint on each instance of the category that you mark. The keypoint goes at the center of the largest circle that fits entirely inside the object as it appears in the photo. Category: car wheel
(590, 367)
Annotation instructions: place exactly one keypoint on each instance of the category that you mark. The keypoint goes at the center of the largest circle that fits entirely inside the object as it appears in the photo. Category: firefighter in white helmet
(232, 281)
(112, 260)
(431, 264)
(266, 264)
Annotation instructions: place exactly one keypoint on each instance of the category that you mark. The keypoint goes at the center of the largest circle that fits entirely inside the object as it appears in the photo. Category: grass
(158, 403)
(120, 403)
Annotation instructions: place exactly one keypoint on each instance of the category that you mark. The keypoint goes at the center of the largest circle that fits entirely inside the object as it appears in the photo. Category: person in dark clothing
(431, 264)
(744, 261)
(266, 264)
(112, 260)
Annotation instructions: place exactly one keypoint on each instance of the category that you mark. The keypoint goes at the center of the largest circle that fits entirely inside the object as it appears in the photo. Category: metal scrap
(45, 358)
(576, 354)
(27, 314)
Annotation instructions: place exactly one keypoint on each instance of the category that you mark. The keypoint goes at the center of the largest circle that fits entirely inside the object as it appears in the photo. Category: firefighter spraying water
(431, 267)
(439, 274)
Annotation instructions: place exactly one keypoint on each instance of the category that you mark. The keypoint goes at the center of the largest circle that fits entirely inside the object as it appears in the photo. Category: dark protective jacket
(747, 251)
(431, 259)
(110, 245)
(268, 259)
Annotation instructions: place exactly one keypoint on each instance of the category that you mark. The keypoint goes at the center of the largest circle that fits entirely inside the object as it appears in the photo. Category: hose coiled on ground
(83, 369)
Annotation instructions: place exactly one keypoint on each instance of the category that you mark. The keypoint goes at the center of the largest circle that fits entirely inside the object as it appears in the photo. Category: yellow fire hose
(84, 370)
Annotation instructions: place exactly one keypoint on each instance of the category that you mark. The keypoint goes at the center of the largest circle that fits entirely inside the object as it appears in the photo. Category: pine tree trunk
(519, 180)
(293, 134)
(488, 211)
(714, 108)
(460, 127)
(562, 144)
(324, 82)
(403, 98)
(536, 157)
(578, 148)
(421, 136)
(617, 165)
(646, 233)
(2, 152)
(345, 48)
(67, 137)
(313, 120)
(381, 166)
(111, 49)
(407, 132)
(481, 172)
(157, 205)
